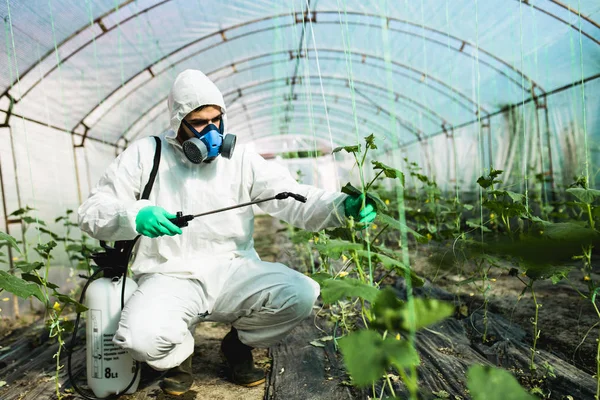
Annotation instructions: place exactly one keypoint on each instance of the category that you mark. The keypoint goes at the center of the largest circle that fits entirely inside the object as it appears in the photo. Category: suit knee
(152, 341)
(306, 292)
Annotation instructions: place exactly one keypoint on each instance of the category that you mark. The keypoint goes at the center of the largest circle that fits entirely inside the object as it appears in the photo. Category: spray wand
(182, 220)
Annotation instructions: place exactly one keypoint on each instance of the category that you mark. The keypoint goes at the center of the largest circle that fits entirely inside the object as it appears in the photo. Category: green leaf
(21, 211)
(386, 219)
(427, 312)
(544, 271)
(489, 383)
(483, 228)
(390, 263)
(48, 232)
(349, 149)
(74, 247)
(28, 267)
(587, 196)
(40, 281)
(333, 290)
(516, 197)
(370, 140)
(12, 242)
(568, 230)
(387, 310)
(45, 249)
(67, 300)
(320, 277)
(485, 182)
(389, 171)
(367, 355)
(393, 314)
(535, 219)
(20, 287)
(335, 247)
(31, 220)
(494, 173)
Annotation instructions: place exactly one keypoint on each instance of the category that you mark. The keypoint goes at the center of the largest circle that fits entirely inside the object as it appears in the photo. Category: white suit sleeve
(323, 209)
(110, 210)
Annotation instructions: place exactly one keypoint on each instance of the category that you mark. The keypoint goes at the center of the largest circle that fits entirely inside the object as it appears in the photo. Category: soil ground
(565, 318)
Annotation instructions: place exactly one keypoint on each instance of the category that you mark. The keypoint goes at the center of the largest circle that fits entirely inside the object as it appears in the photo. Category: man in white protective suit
(210, 271)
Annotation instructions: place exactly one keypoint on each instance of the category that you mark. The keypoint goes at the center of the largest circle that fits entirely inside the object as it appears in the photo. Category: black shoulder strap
(124, 247)
(154, 171)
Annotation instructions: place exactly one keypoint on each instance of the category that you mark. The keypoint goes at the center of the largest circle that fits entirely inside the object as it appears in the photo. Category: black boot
(179, 380)
(240, 362)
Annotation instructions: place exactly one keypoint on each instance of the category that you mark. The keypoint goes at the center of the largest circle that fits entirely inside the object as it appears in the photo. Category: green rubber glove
(353, 208)
(153, 221)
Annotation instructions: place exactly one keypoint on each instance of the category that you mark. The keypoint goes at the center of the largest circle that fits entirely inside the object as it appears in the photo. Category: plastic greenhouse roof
(407, 69)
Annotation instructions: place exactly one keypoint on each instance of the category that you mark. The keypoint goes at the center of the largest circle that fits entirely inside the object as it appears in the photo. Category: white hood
(191, 90)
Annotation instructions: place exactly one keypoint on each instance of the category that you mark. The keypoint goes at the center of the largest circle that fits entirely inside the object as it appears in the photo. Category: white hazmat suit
(211, 271)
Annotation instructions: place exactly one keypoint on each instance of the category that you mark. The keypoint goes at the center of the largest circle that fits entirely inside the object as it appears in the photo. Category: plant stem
(590, 217)
(409, 382)
(597, 397)
(373, 180)
(378, 233)
(536, 332)
(387, 378)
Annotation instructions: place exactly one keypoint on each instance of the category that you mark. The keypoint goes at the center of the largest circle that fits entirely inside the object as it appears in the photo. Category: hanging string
(308, 87)
(537, 120)
(337, 179)
(348, 57)
(96, 68)
(60, 77)
(274, 94)
(25, 134)
(453, 80)
(525, 153)
(585, 134)
(478, 102)
(386, 44)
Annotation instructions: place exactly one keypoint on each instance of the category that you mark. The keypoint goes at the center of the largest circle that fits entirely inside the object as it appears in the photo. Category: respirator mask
(206, 145)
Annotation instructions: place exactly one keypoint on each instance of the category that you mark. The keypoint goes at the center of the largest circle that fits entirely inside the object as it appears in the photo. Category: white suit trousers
(262, 300)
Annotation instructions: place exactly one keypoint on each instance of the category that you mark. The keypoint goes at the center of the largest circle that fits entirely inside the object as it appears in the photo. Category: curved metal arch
(300, 136)
(417, 133)
(556, 17)
(443, 121)
(137, 133)
(335, 96)
(222, 32)
(292, 57)
(315, 78)
(380, 147)
(337, 133)
(50, 52)
(258, 111)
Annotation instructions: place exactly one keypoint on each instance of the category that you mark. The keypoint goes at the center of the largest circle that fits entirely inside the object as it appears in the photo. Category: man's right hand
(153, 221)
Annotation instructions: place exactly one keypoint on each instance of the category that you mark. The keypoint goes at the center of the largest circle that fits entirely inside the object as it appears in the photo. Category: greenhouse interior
(300, 199)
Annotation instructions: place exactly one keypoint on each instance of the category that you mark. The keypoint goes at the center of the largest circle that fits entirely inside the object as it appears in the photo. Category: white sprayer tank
(109, 368)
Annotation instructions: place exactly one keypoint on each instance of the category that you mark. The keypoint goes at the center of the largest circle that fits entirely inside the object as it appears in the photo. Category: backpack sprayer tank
(110, 369)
